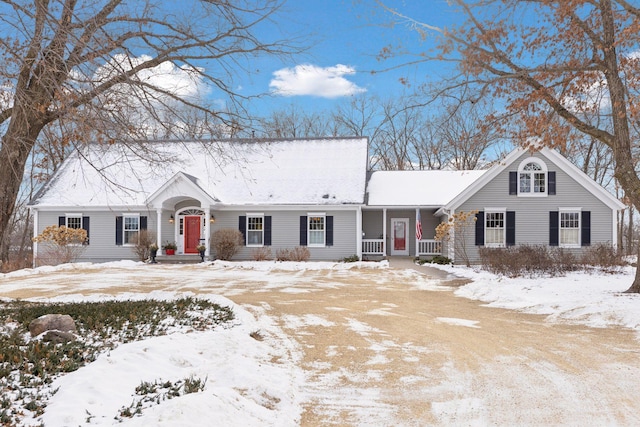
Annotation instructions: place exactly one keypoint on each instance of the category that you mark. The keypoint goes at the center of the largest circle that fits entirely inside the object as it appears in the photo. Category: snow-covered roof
(325, 171)
(418, 188)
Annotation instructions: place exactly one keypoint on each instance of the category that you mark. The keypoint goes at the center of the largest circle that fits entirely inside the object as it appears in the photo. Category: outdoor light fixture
(171, 219)
(212, 219)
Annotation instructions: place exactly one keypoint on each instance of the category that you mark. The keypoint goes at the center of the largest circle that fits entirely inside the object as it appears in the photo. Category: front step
(179, 259)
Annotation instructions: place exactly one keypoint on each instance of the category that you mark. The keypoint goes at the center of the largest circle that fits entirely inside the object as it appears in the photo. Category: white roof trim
(583, 179)
(568, 167)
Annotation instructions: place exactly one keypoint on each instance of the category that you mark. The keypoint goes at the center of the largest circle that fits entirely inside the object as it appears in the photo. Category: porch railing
(425, 247)
(429, 247)
(372, 247)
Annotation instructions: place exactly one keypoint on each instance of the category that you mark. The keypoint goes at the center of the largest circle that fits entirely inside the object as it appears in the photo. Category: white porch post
(207, 229)
(384, 230)
(415, 232)
(359, 232)
(159, 227)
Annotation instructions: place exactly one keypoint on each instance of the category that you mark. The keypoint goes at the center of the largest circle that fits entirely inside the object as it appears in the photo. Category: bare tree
(466, 134)
(96, 66)
(548, 67)
(296, 123)
(397, 137)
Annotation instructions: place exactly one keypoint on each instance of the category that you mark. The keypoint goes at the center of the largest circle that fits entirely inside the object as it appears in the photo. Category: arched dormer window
(532, 178)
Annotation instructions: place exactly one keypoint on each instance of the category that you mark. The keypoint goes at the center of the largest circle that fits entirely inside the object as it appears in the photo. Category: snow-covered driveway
(382, 347)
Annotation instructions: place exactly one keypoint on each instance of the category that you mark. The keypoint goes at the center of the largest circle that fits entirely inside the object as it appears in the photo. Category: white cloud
(307, 79)
(184, 81)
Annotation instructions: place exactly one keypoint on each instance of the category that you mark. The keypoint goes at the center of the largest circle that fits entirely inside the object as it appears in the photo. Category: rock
(48, 322)
(58, 337)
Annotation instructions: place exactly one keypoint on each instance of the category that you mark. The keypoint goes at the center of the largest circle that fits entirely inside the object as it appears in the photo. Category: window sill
(532, 194)
(316, 246)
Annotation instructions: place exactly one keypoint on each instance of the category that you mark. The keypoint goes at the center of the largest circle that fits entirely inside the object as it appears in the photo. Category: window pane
(569, 228)
(494, 228)
(316, 230)
(254, 230)
(539, 184)
(525, 183)
(569, 237)
(131, 222)
(74, 222)
(131, 228)
(254, 223)
(532, 167)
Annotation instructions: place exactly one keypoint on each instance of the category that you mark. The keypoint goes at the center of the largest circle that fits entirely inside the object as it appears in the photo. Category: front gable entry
(179, 187)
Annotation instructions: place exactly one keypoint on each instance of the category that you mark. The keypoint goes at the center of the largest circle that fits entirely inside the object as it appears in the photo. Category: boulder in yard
(49, 322)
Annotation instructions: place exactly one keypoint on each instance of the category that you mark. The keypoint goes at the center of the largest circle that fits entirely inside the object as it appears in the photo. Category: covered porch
(396, 232)
(185, 216)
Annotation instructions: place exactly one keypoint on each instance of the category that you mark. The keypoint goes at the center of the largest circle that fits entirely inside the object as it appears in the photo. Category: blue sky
(345, 36)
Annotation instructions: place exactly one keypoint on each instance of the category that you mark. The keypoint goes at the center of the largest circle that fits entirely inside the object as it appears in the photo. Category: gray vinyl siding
(429, 224)
(102, 233)
(372, 224)
(532, 213)
(285, 232)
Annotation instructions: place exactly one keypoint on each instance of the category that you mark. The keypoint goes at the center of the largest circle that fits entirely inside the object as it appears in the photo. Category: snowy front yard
(253, 382)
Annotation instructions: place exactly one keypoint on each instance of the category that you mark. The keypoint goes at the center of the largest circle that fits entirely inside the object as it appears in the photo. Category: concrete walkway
(408, 263)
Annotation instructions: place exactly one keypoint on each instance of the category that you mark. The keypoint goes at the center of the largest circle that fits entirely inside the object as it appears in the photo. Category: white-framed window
(130, 229)
(532, 178)
(494, 228)
(255, 229)
(73, 220)
(316, 229)
(569, 228)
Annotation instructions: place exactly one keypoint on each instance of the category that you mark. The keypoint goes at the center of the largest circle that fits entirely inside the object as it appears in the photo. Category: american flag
(418, 226)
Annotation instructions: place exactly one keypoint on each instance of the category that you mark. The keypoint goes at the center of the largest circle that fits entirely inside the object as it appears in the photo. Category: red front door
(399, 236)
(191, 234)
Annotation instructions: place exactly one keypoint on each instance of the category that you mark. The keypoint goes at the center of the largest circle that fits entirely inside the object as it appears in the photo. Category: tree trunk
(630, 232)
(621, 231)
(625, 171)
(635, 287)
(16, 146)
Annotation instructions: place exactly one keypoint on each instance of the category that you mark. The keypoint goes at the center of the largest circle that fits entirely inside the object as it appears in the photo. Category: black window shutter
(61, 221)
(480, 228)
(118, 231)
(242, 226)
(551, 177)
(511, 228)
(554, 228)
(85, 227)
(303, 231)
(143, 223)
(513, 183)
(267, 230)
(329, 230)
(586, 229)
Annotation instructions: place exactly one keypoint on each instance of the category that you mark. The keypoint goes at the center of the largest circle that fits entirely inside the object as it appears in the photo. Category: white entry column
(159, 227)
(207, 229)
(384, 231)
